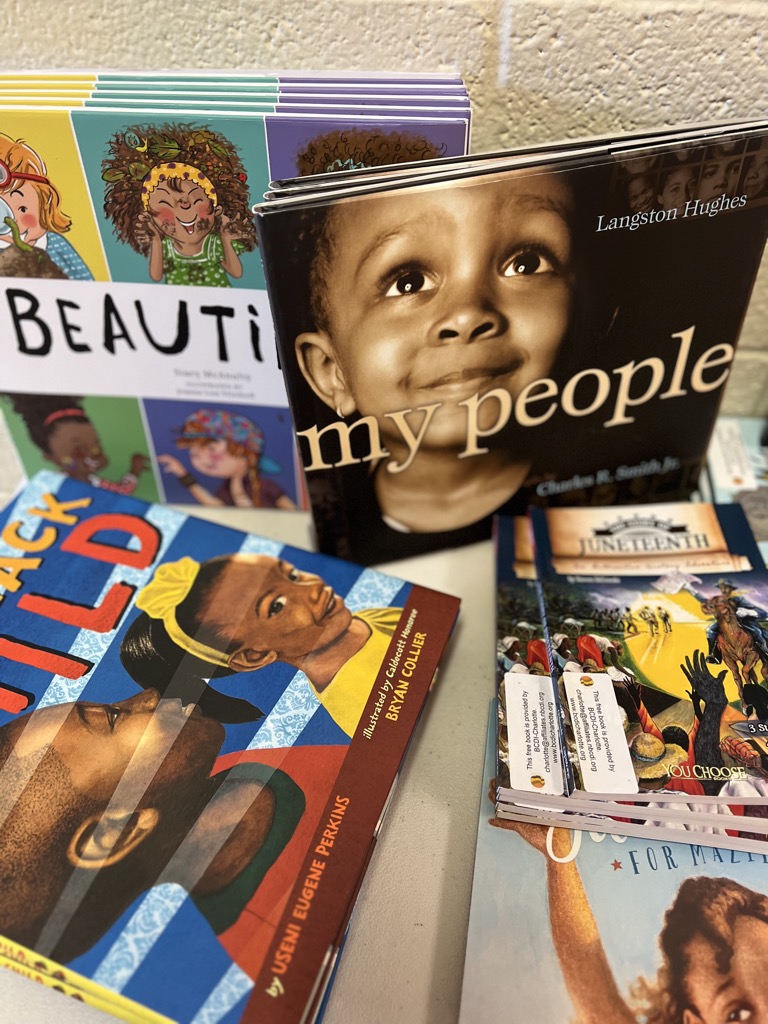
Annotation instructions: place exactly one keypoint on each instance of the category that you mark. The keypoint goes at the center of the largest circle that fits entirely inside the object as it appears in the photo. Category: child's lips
(332, 604)
(477, 377)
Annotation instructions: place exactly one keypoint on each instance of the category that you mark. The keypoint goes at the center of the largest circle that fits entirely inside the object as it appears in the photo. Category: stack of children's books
(552, 326)
(589, 926)
(199, 733)
(637, 698)
(627, 754)
(139, 350)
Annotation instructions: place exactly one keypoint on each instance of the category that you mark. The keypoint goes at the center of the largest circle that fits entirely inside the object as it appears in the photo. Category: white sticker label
(601, 744)
(533, 734)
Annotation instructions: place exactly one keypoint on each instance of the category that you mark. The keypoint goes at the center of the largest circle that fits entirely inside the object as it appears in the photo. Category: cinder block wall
(537, 70)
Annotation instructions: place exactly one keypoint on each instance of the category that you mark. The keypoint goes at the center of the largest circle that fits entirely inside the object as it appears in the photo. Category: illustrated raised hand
(703, 685)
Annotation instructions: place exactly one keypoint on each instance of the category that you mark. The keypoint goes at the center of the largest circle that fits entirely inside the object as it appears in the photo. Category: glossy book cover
(593, 927)
(199, 730)
(551, 328)
(140, 349)
(657, 634)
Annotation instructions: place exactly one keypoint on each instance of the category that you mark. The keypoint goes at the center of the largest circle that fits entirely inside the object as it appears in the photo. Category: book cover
(138, 299)
(656, 627)
(594, 927)
(199, 731)
(737, 470)
(545, 327)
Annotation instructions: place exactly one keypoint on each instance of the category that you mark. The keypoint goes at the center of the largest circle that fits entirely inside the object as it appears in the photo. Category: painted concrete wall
(537, 70)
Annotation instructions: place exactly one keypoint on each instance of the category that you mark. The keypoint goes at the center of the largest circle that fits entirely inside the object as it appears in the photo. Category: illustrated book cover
(632, 707)
(199, 732)
(140, 349)
(544, 327)
(585, 926)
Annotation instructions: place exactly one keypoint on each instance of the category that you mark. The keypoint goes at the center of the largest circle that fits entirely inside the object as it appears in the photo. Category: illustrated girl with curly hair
(178, 195)
(35, 222)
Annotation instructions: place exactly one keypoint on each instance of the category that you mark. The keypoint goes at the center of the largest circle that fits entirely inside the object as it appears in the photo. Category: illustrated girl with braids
(178, 195)
(61, 429)
(229, 447)
(33, 224)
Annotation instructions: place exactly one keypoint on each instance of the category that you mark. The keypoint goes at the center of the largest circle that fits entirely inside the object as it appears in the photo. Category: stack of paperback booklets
(139, 351)
(551, 326)
(636, 700)
(199, 733)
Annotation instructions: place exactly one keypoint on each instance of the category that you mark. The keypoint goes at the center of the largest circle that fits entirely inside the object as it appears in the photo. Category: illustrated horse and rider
(736, 636)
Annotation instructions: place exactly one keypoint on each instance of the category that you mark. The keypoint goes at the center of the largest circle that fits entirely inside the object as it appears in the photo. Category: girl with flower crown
(177, 194)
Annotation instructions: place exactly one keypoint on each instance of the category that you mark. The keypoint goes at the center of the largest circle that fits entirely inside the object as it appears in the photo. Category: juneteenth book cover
(199, 730)
(546, 328)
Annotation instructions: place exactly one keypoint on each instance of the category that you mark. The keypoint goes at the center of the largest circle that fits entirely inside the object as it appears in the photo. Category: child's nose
(471, 320)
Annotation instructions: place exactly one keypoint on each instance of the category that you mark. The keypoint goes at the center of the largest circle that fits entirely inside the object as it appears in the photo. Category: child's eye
(741, 1013)
(294, 575)
(409, 282)
(528, 262)
(276, 606)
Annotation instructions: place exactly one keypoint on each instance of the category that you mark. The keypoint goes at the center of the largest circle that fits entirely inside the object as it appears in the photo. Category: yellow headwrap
(173, 170)
(162, 596)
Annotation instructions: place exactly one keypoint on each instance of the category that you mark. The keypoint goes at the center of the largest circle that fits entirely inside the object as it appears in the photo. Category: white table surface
(403, 960)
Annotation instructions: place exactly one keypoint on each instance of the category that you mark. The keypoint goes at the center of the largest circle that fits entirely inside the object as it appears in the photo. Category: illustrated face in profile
(92, 787)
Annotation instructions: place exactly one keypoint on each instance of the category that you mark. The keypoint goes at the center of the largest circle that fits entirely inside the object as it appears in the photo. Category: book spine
(562, 720)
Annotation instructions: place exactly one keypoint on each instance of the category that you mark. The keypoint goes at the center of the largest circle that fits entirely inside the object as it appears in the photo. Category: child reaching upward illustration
(38, 222)
(714, 947)
(178, 195)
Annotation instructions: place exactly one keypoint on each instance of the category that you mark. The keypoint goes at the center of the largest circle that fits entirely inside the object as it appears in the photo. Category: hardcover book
(140, 349)
(199, 732)
(542, 327)
(593, 927)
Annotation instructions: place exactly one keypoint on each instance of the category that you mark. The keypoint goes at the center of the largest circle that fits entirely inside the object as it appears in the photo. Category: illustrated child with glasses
(178, 195)
(31, 216)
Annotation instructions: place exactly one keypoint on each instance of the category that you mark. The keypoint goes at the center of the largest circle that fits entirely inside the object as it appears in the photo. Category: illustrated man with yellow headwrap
(178, 195)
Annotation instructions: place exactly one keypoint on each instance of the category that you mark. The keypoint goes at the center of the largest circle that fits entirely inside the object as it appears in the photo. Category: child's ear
(103, 840)
(248, 659)
(317, 361)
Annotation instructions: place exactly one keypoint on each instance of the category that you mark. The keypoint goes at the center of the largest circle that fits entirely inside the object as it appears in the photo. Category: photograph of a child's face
(427, 298)
(475, 343)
